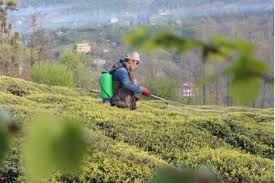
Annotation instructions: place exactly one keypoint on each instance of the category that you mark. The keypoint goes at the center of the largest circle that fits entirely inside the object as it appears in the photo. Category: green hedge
(231, 165)
(236, 143)
(53, 74)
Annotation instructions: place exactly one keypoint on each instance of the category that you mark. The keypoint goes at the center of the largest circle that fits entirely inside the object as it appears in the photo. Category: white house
(187, 90)
(84, 47)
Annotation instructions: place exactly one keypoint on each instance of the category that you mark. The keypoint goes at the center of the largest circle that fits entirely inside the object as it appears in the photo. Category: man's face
(133, 65)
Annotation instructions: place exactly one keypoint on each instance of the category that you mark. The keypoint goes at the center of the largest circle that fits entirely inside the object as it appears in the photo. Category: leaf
(245, 48)
(147, 40)
(203, 174)
(4, 142)
(215, 57)
(6, 128)
(169, 40)
(245, 90)
(223, 41)
(173, 176)
(70, 146)
(246, 67)
(52, 145)
(219, 49)
(141, 39)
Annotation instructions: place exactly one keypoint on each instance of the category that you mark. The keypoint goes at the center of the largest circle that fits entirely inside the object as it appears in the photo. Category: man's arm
(123, 76)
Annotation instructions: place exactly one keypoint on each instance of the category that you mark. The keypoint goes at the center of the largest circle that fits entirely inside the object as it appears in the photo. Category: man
(124, 86)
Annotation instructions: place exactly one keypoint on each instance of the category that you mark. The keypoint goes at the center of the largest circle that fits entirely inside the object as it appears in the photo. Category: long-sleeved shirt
(121, 75)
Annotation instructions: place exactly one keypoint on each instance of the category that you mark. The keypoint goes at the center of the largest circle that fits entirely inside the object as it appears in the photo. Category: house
(187, 90)
(84, 47)
(126, 23)
(60, 33)
(114, 20)
(163, 12)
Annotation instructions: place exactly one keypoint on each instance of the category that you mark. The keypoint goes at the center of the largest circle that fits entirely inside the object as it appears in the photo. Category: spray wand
(168, 103)
(160, 98)
(157, 97)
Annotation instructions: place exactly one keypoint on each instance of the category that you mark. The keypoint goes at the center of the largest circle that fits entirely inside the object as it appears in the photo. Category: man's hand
(146, 92)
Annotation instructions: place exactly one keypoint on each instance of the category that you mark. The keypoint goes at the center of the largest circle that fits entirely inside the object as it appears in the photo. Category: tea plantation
(236, 143)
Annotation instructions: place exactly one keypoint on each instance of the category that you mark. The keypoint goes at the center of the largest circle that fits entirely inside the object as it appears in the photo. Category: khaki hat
(133, 56)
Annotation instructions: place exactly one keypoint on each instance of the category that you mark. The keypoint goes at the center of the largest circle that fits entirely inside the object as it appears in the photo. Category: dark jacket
(123, 86)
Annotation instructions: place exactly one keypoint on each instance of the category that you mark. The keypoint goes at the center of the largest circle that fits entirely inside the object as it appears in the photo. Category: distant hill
(69, 13)
(129, 146)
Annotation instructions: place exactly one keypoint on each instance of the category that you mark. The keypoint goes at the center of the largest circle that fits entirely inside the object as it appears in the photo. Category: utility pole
(204, 80)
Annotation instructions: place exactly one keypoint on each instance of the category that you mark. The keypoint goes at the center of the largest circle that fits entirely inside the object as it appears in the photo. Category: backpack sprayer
(106, 86)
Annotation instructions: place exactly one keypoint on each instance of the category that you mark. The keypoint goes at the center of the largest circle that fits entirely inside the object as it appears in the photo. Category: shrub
(131, 145)
(230, 165)
(72, 59)
(79, 64)
(52, 74)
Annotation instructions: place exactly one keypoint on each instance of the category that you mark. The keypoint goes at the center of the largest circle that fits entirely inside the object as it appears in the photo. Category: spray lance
(160, 98)
(168, 103)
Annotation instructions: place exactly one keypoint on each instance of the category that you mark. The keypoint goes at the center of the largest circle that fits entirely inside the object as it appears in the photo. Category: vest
(122, 98)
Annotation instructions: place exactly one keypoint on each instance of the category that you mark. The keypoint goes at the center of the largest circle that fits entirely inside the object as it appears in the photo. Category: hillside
(129, 146)
(57, 14)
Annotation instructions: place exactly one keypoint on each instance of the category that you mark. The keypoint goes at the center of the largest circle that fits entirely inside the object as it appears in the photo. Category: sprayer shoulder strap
(118, 65)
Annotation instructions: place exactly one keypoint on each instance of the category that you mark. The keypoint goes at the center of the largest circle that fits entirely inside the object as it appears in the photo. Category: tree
(34, 39)
(41, 40)
(79, 64)
(163, 87)
(11, 52)
(6, 27)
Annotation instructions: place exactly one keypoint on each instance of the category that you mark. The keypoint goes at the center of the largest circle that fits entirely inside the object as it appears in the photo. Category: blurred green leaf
(174, 176)
(169, 40)
(246, 79)
(223, 41)
(215, 57)
(245, 48)
(40, 135)
(207, 50)
(4, 141)
(248, 68)
(70, 146)
(224, 49)
(6, 128)
(148, 40)
(52, 145)
(202, 175)
(141, 39)
(245, 90)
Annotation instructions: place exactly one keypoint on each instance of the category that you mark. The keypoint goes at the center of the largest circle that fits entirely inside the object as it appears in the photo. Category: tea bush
(53, 74)
(236, 143)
